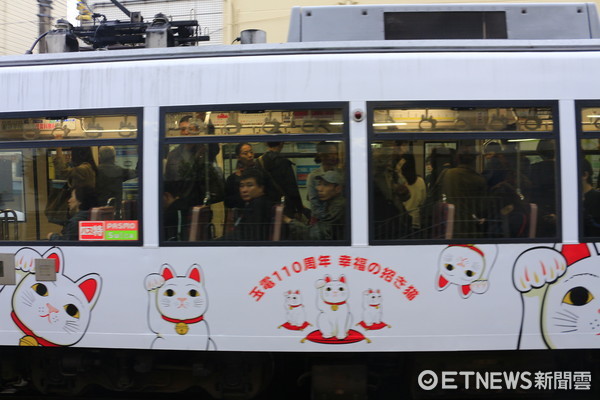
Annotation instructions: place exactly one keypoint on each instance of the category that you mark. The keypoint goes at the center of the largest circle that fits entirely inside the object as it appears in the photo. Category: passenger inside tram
(194, 165)
(591, 201)
(543, 188)
(110, 178)
(281, 179)
(253, 221)
(82, 200)
(176, 212)
(328, 158)
(477, 189)
(330, 225)
(245, 161)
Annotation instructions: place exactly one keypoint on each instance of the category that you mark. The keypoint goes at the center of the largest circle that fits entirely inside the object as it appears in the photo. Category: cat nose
(51, 309)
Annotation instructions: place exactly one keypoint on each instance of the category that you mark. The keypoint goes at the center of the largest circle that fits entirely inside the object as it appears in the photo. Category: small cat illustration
(465, 266)
(335, 317)
(372, 310)
(294, 311)
(52, 313)
(560, 290)
(177, 305)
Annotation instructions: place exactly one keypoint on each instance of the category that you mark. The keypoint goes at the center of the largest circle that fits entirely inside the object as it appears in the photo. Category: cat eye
(469, 273)
(578, 296)
(72, 310)
(40, 289)
(449, 267)
(193, 293)
(328, 289)
(169, 292)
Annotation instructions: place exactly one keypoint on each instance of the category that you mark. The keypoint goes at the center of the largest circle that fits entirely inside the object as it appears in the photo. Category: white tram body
(396, 296)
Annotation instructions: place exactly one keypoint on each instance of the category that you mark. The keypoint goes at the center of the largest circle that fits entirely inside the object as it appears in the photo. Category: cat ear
(342, 279)
(441, 282)
(90, 286)
(55, 254)
(167, 272)
(195, 273)
(297, 292)
(327, 278)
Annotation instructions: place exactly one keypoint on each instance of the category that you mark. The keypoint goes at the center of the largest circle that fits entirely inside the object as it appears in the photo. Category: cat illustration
(372, 310)
(335, 317)
(560, 291)
(52, 313)
(294, 311)
(465, 266)
(176, 309)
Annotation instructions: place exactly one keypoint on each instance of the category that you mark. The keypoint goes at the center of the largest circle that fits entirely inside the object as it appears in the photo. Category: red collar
(335, 304)
(297, 305)
(185, 321)
(28, 332)
(374, 305)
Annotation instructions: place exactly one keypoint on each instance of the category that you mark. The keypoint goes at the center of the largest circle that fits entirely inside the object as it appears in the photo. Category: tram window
(68, 128)
(256, 122)
(445, 186)
(53, 188)
(589, 171)
(254, 191)
(463, 119)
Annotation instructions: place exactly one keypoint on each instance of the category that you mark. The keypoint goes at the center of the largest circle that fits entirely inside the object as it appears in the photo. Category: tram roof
(387, 46)
(490, 27)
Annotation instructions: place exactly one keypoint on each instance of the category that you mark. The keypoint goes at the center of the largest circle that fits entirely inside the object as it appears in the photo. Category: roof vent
(444, 21)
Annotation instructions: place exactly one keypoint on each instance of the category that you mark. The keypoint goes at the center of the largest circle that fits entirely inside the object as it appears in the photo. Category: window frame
(449, 136)
(343, 137)
(137, 141)
(580, 135)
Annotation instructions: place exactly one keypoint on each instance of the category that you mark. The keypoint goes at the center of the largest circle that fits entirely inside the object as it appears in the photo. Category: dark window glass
(53, 188)
(434, 183)
(259, 188)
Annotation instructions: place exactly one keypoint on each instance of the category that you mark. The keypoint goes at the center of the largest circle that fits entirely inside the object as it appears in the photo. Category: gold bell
(181, 328)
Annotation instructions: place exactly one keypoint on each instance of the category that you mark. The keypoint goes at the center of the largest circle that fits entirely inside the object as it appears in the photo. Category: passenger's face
(329, 158)
(250, 190)
(246, 156)
(184, 128)
(327, 191)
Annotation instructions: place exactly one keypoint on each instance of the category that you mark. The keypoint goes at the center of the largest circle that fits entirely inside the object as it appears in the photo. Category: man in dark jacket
(110, 177)
(253, 222)
(281, 179)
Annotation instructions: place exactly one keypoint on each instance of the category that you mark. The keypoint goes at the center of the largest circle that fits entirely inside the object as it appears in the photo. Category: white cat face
(372, 297)
(182, 298)
(293, 298)
(58, 311)
(572, 307)
(333, 291)
(460, 265)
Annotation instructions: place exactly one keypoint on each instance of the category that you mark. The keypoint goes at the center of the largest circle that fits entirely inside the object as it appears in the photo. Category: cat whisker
(28, 298)
(569, 312)
(566, 326)
(570, 315)
(572, 330)
(565, 319)
(71, 326)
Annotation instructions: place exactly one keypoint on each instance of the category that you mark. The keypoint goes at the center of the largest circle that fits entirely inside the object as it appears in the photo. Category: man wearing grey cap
(331, 226)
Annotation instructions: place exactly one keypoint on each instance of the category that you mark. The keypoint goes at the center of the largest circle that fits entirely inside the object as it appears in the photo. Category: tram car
(394, 189)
